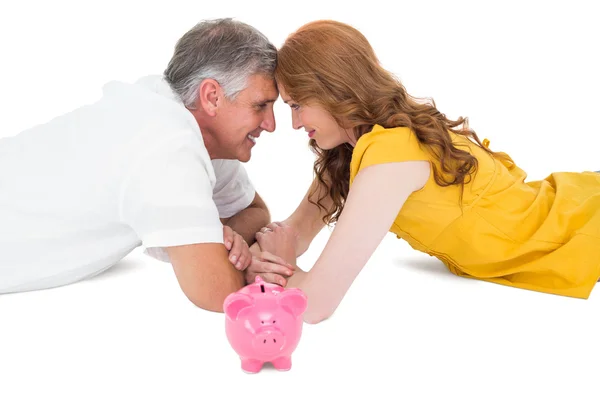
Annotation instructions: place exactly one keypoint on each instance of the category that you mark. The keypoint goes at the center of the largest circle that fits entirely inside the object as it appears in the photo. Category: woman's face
(318, 123)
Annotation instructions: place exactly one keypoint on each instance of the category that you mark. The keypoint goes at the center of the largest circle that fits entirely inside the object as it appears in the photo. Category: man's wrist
(249, 221)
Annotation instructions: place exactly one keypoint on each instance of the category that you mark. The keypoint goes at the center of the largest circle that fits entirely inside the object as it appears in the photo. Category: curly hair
(332, 65)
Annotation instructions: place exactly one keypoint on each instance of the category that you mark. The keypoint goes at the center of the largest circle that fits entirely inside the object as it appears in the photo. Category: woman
(386, 162)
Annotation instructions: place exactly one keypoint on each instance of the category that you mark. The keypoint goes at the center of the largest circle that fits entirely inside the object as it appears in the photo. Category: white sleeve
(167, 197)
(233, 190)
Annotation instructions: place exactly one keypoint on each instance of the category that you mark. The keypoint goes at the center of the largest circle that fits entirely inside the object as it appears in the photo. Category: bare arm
(205, 274)
(248, 221)
(307, 219)
(304, 224)
(365, 221)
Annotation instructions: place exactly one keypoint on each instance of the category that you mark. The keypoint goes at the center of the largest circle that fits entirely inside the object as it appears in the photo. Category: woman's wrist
(296, 280)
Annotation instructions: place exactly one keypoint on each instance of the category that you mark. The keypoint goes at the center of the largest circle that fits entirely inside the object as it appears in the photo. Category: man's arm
(248, 221)
(205, 274)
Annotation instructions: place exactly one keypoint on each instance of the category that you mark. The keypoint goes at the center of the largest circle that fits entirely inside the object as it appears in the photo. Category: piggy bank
(264, 324)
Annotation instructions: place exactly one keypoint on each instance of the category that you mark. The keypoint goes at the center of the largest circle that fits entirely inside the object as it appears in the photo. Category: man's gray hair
(225, 50)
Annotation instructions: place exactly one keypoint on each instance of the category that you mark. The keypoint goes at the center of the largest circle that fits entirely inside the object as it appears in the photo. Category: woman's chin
(323, 145)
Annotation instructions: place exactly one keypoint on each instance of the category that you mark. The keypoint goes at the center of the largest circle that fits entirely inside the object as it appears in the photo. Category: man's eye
(295, 106)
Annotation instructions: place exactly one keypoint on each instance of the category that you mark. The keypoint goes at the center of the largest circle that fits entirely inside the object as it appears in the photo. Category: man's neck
(206, 132)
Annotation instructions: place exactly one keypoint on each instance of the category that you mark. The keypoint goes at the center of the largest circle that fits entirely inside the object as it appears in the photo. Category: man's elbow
(212, 300)
(207, 305)
(214, 304)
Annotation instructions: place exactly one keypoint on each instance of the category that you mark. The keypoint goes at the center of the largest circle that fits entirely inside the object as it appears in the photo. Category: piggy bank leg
(282, 363)
(251, 365)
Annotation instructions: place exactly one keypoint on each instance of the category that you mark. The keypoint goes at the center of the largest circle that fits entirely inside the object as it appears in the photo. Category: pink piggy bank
(264, 324)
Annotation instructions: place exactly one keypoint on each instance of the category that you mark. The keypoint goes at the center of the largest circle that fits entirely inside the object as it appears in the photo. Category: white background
(526, 75)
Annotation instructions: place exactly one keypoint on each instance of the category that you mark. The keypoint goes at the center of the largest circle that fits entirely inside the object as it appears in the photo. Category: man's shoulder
(147, 90)
(157, 84)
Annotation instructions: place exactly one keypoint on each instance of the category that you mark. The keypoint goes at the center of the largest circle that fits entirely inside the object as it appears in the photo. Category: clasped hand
(273, 256)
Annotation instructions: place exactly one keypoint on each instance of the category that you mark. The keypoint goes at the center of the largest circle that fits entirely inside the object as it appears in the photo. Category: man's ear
(209, 96)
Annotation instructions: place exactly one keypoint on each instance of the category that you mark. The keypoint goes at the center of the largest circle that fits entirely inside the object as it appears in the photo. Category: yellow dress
(540, 235)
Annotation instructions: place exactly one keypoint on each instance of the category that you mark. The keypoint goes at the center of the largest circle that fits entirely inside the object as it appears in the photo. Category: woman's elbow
(316, 316)
(314, 320)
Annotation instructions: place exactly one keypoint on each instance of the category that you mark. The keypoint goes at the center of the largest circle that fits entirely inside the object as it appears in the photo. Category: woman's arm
(301, 227)
(374, 201)
(307, 219)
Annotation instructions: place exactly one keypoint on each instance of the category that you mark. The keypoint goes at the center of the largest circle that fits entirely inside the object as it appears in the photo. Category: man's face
(240, 121)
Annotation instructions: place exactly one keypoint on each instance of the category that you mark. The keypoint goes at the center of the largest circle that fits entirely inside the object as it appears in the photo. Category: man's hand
(279, 238)
(239, 252)
(271, 268)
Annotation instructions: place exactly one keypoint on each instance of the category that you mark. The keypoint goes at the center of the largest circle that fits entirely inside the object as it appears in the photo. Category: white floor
(407, 329)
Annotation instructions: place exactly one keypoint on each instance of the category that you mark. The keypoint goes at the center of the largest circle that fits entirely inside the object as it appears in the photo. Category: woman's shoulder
(378, 132)
(398, 140)
(383, 145)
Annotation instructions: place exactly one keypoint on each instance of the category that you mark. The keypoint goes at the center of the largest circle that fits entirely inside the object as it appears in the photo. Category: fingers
(246, 258)
(261, 234)
(266, 256)
(274, 225)
(260, 238)
(227, 237)
(274, 278)
(239, 252)
(236, 255)
(260, 266)
(267, 277)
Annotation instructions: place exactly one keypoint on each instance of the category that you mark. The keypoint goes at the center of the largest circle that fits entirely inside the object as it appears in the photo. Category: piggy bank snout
(269, 341)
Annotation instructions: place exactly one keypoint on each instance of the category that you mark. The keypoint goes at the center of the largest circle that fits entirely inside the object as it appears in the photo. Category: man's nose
(268, 123)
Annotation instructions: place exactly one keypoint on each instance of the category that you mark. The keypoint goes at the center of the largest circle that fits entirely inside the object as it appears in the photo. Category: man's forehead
(263, 89)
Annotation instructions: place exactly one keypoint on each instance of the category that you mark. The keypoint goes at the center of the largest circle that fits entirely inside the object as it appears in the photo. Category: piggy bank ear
(293, 300)
(235, 303)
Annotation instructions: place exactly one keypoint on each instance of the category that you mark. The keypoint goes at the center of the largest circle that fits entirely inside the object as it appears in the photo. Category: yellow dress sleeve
(380, 146)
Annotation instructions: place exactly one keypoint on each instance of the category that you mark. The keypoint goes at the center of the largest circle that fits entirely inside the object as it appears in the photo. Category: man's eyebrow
(265, 101)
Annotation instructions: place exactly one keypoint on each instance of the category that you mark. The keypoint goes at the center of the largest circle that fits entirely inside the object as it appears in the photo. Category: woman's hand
(280, 239)
(271, 268)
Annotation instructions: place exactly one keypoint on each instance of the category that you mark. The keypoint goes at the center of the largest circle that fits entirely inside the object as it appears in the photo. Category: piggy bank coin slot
(262, 288)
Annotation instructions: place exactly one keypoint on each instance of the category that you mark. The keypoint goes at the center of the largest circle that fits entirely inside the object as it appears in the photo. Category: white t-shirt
(80, 192)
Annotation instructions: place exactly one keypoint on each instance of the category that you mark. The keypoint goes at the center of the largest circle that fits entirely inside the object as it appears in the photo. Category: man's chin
(244, 158)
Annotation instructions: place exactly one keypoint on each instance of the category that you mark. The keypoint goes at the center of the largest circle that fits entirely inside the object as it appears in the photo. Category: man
(155, 164)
